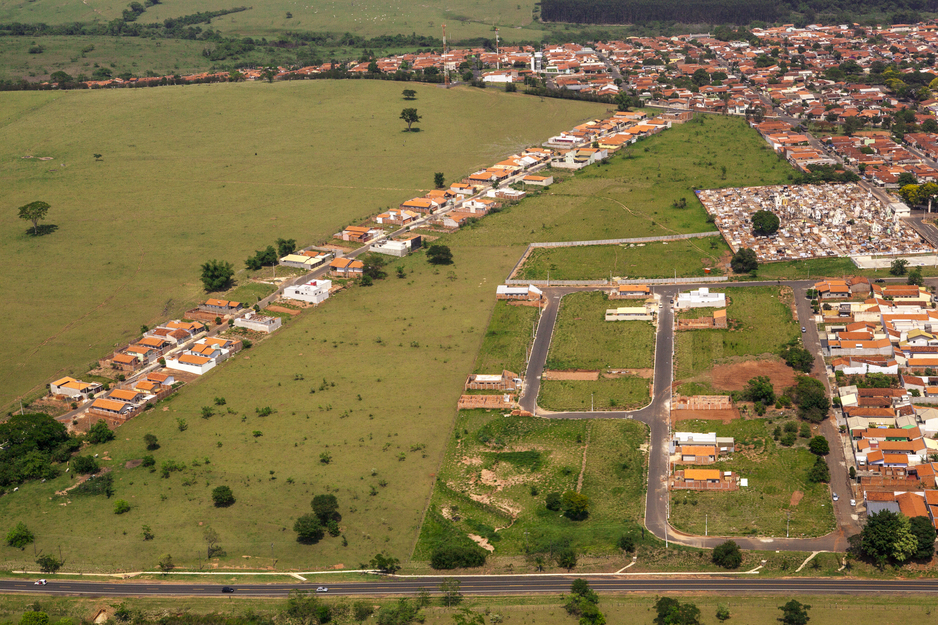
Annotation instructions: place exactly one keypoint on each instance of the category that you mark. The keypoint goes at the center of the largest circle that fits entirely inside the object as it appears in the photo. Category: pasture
(191, 173)
(507, 339)
(775, 475)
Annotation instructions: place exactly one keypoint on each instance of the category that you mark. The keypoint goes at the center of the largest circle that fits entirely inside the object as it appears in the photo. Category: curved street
(656, 415)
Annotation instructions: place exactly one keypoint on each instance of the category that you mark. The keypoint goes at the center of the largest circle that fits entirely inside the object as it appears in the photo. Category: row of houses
(153, 345)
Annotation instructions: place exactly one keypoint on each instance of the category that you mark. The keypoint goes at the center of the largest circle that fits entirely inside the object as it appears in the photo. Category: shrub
(727, 555)
(99, 433)
(84, 465)
(121, 506)
(151, 442)
(552, 501)
(148, 461)
(20, 536)
(457, 557)
(308, 529)
(819, 446)
(222, 496)
(626, 544)
(789, 439)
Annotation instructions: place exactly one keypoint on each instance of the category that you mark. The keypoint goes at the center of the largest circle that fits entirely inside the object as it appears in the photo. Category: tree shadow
(411, 130)
(42, 230)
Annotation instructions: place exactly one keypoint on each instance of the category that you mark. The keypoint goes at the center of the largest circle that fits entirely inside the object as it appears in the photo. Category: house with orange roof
(630, 291)
(221, 307)
(454, 220)
(126, 395)
(73, 389)
(397, 217)
(346, 268)
(421, 205)
(359, 234)
(538, 181)
(143, 353)
(111, 408)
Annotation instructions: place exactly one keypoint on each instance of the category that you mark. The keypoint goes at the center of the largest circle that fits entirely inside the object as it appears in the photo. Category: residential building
(314, 291)
(258, 323)
(700, 298)
(73, 389)
(346, 268)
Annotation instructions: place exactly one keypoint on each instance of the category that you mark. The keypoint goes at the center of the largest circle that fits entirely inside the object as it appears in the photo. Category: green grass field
(760, 323)
(507, 339)
(652, 260)
(623, 393)
(480, 465)
(775, 473)
(582, 338)
(214, 171)
(633, 195)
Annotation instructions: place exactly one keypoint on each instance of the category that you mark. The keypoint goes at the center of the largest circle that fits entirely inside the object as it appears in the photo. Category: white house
(701, 298)
(314, 291)
(538, 181)
(258, 323)
(526, 292)
(191, 363)
(399, 248)
(75, 389)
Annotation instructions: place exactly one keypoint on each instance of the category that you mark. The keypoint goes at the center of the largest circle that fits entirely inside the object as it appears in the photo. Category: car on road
(836, 497)
(880, 281)
(672, 301)
(41, 582)
(322, 589)
(803, 329)
(227, 589)
(853, 502)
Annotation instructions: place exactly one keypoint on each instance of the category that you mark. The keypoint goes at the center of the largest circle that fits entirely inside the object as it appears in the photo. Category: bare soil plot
(705, 415)
(571, 375)
(733, 377)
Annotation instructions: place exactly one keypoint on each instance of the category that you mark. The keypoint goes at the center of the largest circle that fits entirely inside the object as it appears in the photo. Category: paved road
(493, 585)
(657, 416)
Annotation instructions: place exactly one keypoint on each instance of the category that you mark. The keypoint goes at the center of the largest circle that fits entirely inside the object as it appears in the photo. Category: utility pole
(445, 68)
(787, 523)
(498, 60)
(706, 525)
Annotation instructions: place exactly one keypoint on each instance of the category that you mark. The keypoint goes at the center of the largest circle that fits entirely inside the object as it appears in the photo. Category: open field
(633, 195)
(213, 171)
(494, 463)
(623, 393)
(760, 323)
(652, 260)
(507, 339)
(629, 610)
(775, 473)
(582, 338)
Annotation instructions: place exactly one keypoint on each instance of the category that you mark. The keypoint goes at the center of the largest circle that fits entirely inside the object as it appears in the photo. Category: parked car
(880, 281)
(227, 589)
(836, 497)
(853, 502)
(803, 329)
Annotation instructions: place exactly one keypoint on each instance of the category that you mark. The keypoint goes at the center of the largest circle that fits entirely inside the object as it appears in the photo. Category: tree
(794, 613)
(325, 507)
(303, 607)
(48, 563)
(151, 442)
(20, 536)
(760, 389)
(35, 617)
(409, 94)
(765, 223)
(285, 246)
(888, 536)
(811, 397)
(723, 613)
(34, 212)
(146, 532)
(552, 501)
(99, 433)
(465, 616)
(308, 529)
(166, 563)
(439, 255)
(60, 77)
(361, 610)
(210, 536)
(924, 533)
(449, 556)
(623, 101)
(626, 543)
(819, 473)
(583, 603)
(897, 268)
(121, 506)
(727, 555)
(410, 117)
(915, 277)
(217, 275)
(798, 358)
(819, 446)
(575, 505)
(744, 261)
(222, 496)
(450, 590)
(439, 180)
(385, 564)
(374, 266)
(566, 558)
(84, 465)
(673, 612)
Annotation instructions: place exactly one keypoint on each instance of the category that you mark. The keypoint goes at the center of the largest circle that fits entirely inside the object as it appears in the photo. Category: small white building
(258, 323)
(399, 248)
(701, 298)
(527, 292)
(199, 365)
(538, 181)
(636, 313)
(314, 291)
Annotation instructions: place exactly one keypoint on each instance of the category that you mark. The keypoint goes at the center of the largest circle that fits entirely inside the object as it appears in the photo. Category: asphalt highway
(489, 585)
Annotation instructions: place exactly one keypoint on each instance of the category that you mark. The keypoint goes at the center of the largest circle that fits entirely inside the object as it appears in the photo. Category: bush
(552, 501)
(99, 433)
(566, 558)
(727, 555)
(575, 505)
(121, 506)
(148, 461)
(84, 465)
(308, 529)
(788, 439)
(222, 496)
(626, 544)
(819, 446)
(820, 472)
(20, 536)
(457, 557)
(151, 442)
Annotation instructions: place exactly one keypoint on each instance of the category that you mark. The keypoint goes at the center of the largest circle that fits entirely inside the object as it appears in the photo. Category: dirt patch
(474, 461)
(611, 374)
(571, 375)
(734, 377)
(482, 542)
(705, 415)
(133, 464)
(796, 498)
(512, 511)
(283, 309)
(81, 480)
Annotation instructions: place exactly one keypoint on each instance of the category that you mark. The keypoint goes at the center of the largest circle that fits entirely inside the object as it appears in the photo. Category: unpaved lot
(733, 377)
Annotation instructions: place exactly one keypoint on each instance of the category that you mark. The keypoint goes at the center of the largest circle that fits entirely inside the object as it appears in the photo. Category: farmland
(775, 474)
(216, 171)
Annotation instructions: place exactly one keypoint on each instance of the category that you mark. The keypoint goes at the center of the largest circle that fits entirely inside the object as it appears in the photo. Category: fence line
(705, 279)
(669, 237)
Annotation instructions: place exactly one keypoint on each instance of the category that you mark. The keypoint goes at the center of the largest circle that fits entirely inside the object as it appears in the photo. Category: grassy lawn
(622, 393)
(774, 474)
(248, 293)
(495, 464)
(652, 260)
(507, 339)
(824, 268)
(582, 338)
(214, 171)
(760, 323)
(634, 195)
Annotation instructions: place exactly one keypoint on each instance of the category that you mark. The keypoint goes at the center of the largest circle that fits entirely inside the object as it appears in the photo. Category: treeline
(170, 28)
(730, 11)
(644, 11)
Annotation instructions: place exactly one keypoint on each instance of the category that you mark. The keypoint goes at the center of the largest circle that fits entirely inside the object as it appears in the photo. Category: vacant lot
(634, 195)
(582, 338)
(760, 323)
(623, 393)
(650, 260)
(498, 470)
(507, 339)
(775, 473)
(215, 171)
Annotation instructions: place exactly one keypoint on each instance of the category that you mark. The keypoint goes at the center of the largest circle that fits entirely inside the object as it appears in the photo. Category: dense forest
(728, 11)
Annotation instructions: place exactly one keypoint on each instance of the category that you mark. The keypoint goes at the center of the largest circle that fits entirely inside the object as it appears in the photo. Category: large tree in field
(34, 212)
(410, 116)
(217, 275)
(744, 261)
